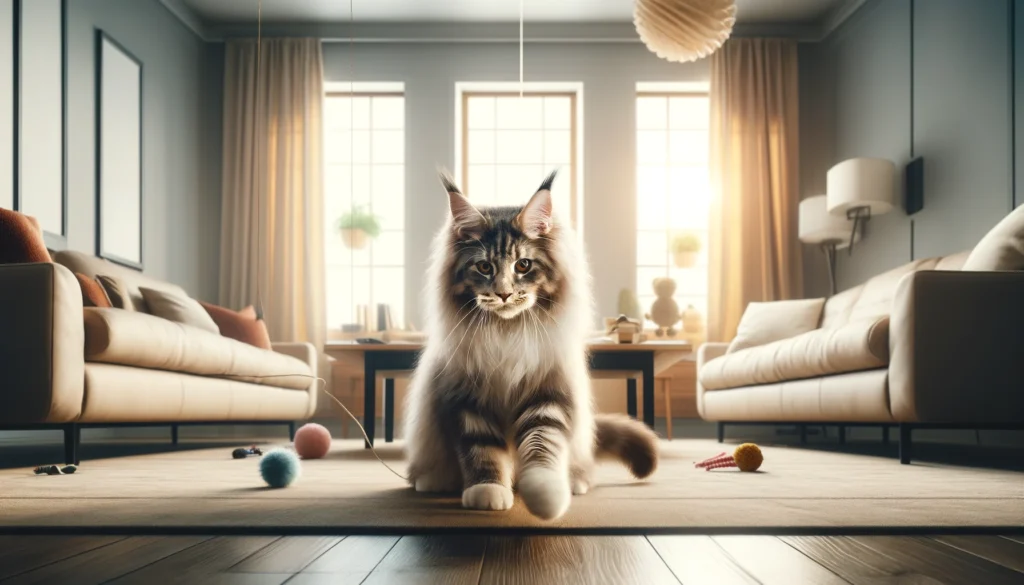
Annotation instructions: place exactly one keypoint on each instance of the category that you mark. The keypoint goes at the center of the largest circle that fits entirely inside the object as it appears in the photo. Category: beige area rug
(351, 491)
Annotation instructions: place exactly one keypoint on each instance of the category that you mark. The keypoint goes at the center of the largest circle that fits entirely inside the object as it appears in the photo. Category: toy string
(322, 386)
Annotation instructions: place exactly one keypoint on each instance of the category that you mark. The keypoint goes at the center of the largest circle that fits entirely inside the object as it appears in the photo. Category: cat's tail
(628, 440)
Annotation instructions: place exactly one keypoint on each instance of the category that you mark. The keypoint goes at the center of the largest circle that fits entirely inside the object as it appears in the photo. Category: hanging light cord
(520, 48)
(255, 165)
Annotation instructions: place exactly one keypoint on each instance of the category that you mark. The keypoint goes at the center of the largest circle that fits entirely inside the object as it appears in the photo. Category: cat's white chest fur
(501, 359)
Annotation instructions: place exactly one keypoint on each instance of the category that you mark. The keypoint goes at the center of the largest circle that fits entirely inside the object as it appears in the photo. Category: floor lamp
(830, 232)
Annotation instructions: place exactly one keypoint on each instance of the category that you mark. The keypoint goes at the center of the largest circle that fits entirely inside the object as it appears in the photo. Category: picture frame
(40, 104)
(119, 172)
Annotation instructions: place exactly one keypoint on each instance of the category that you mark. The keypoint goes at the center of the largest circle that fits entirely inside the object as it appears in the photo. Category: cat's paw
(545, 492)
(487, 496)
(437, 483)
(580, 486)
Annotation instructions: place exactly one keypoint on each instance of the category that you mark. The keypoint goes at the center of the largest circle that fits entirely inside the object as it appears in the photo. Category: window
(509, 143)
(364, 170)
(673, 195)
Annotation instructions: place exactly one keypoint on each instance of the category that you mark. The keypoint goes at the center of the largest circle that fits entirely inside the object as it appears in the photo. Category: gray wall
(181, 138)
(609, 73)
(904, 78)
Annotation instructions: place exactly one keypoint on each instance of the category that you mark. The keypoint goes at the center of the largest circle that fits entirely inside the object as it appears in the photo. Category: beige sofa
(67, 366)
(924, 344)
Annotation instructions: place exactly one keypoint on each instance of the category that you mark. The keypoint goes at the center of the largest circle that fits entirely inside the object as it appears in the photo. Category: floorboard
(105, 563)
(431, 560)
(698, 560)
(574, 561)
(207, 562)
(1002, 551)
(287, 555)
(856, 562)
(941, 562)
(772, 561)
(20, 554)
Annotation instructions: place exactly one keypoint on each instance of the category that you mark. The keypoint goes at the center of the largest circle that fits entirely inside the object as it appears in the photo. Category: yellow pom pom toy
(747, 457)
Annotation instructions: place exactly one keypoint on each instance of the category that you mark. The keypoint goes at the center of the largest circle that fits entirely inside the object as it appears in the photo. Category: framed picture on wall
(7, 104)
(40, 91)
(118, 153)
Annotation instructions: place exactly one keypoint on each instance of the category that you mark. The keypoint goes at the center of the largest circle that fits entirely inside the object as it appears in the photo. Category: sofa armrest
(956, 345)
(705, 353)
(304, 352)
(42, 344)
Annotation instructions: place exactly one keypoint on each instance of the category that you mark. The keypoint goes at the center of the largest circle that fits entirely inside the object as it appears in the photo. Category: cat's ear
(466, 219)
(535, 219)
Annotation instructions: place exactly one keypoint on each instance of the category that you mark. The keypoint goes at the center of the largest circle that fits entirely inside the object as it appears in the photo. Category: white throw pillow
(763, 323)
(1002, 248)
(177, 308)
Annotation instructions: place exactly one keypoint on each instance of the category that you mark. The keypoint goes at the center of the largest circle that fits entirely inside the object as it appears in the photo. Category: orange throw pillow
(239, 325)
(21, 239)
(93, 294)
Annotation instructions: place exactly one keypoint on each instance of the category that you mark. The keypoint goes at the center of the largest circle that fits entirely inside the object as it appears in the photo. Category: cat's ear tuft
(466, 219)
(535, 219)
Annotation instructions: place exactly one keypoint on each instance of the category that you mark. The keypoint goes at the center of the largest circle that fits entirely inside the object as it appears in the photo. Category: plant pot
(685, 259)
(354, 239)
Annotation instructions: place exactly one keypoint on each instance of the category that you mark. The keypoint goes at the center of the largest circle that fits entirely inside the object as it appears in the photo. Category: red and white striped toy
(746, 457)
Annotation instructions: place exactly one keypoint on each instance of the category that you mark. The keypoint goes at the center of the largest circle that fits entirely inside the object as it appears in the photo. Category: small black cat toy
(55, 470)
(242, 452)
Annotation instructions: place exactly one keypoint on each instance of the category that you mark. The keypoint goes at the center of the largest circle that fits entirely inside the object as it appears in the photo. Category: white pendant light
(684, 30)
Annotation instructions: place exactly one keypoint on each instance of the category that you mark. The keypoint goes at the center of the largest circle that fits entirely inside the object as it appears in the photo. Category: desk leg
(369, 396)
(631, 397)
(648, 372)
(389, 410)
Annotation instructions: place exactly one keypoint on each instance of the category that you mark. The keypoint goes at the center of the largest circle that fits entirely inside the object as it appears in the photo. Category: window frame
(370, 90)
(573, 90)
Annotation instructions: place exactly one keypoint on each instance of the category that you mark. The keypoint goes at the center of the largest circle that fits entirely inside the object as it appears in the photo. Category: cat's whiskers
(456, 327)
(476, 313)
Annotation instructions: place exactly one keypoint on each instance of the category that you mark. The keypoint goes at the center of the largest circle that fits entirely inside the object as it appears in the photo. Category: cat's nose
(504, 296)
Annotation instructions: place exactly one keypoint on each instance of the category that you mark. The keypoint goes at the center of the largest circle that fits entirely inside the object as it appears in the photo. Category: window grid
(349, 270)
(567, 171)
(678, 160)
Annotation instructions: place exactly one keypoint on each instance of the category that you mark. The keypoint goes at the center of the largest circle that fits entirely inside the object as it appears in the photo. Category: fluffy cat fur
(501, 397)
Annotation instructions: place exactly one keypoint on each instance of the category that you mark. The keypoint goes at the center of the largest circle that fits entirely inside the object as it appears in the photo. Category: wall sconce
(860, 188)
(819, 227)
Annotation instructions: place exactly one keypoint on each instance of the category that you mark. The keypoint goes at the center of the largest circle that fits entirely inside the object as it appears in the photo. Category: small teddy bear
(664, 311)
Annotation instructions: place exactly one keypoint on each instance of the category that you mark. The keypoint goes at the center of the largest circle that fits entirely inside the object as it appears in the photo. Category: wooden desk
(648, 358)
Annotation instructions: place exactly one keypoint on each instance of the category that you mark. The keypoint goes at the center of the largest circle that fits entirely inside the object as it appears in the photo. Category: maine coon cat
(501, 397)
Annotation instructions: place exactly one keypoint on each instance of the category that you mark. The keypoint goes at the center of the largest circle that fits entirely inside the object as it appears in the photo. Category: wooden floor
(560, 560)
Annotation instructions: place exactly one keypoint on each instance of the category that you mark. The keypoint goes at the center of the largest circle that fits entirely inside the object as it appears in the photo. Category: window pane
(558, 113)
(645, 278)
(480, 184)
(389, 249)
(514, 112)
(361, 285)
(389, 113)
(519, 146)
(688, 113)
(360, 185)
(338, 147)
(361, 113)
(388, 147)
(651, 248)
(360, 145)
(516, 183)
(480, 149)
(339, 296)
(557, 147)
(652, 207)
(688, 147)
(388, 194)
(651, 113)
(690, 282)
(689, 197)
(337, 112)
(480, 112)
(389, 289)
(651, 147)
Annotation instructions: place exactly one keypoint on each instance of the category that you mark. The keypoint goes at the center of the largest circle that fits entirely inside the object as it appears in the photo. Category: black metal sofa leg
(291, 431)
(174, 434)
(72, 437)
(721, 432)
(905, 443)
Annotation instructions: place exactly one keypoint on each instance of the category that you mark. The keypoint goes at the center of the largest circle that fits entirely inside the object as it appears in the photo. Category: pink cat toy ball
(312, 441)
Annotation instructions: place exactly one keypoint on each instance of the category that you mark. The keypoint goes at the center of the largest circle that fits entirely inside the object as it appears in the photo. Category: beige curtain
(271, 216)
(753, 249)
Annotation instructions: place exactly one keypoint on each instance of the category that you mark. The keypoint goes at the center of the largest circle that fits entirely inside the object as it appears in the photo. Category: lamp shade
(861, 182)
(818, 226)
(684, 30)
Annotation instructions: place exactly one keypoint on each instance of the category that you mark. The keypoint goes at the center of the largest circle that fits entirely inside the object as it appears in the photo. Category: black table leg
(631, 397)
(648, 375)
(369, 396)
(174, 434)
(389, 410)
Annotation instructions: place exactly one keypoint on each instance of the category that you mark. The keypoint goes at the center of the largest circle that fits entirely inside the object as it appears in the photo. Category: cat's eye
(484, 267)
(523, 265)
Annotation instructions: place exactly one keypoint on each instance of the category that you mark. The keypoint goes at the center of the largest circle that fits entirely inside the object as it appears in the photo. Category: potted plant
(684, 249)
(356, 225)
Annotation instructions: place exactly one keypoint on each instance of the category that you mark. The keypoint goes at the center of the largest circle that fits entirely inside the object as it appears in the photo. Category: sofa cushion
(178, 308)
(21, 239)
(240, 325)
(858, 345)
(1002, 248)
(93, 294)
(137, 339)
(132, 279)
(763, 323)
(117, 292)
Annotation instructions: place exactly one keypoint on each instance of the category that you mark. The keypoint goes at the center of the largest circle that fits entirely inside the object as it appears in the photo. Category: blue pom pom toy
(280, 468)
